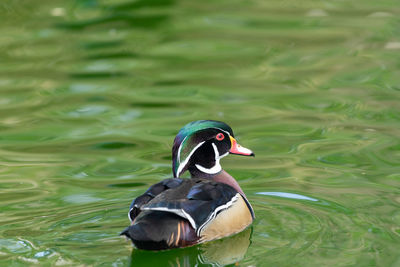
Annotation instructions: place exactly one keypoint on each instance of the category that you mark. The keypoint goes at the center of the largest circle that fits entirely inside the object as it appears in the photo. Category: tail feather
(157, 230)
(125, 232)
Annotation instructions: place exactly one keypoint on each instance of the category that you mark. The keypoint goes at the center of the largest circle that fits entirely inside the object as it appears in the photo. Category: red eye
(220, 137)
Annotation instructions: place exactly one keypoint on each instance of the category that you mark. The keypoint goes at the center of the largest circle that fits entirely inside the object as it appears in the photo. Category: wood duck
(179, 212)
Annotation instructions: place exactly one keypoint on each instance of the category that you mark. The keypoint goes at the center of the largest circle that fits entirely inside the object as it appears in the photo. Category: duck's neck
(221, 177)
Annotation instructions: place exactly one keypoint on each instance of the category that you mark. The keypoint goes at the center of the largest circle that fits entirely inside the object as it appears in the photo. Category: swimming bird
(181, 212)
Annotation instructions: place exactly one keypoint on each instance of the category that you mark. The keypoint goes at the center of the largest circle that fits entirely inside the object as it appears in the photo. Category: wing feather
(197, 200)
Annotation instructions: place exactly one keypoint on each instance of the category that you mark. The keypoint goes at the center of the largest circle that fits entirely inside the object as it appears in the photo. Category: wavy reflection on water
(92, 94)
(287, 195)
(227, 251)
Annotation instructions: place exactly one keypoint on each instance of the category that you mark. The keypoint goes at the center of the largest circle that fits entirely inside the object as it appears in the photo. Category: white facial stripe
(226, 154)
(179, 150)
(217, 167)
(223, 131)
(183, 164)
(129, 214)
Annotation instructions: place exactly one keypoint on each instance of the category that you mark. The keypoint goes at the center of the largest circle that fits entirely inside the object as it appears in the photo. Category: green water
(93, 92)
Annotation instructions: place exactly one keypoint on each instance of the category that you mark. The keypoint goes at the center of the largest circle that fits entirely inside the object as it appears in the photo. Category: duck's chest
(228, 221)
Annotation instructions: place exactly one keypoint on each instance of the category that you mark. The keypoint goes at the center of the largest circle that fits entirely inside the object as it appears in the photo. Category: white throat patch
(217, 167)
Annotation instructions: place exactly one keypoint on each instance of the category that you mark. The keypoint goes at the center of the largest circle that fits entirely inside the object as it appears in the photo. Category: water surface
(93, 92)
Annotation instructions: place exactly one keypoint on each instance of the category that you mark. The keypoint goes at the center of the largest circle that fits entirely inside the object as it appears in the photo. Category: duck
(181, 212)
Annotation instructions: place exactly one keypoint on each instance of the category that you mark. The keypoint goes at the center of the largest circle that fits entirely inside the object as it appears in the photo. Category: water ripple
(287, 195)
(93, 93)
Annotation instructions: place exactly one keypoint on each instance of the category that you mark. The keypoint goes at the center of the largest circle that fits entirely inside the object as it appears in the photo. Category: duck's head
(200, 145)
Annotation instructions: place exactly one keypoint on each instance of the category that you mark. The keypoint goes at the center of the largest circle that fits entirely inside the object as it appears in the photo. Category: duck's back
(182, 212)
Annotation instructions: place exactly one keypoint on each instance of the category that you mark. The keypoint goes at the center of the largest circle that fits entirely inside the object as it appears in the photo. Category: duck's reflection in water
(221, 252)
